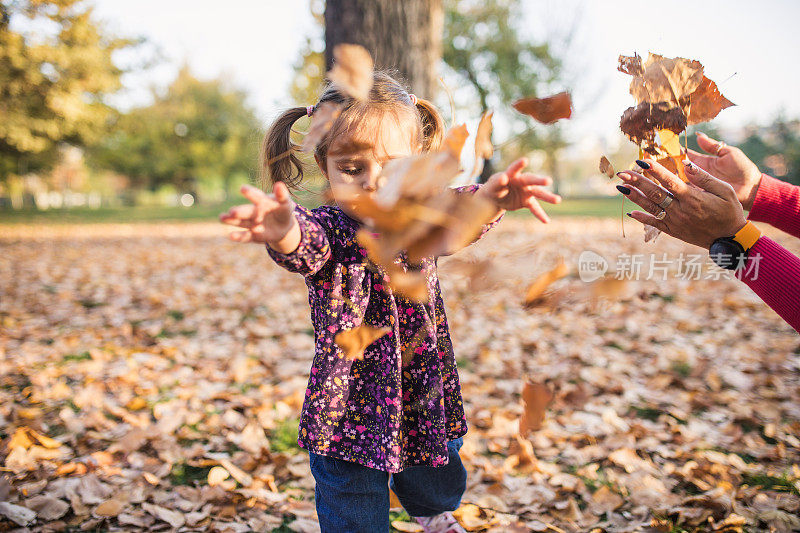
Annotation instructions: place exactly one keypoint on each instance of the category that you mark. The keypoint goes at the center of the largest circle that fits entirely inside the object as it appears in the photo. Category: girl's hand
(513, 189)
(701, 211)
(729, 164)
(269, 219)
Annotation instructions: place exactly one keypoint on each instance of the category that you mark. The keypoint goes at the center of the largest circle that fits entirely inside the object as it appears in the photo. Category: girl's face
(358, 159)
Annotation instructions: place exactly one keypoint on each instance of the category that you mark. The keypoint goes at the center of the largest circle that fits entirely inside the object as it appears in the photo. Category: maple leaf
(606, 167)
(352, 70)
(535, 397)
(483, 143)
(546, 110)
(354, 341)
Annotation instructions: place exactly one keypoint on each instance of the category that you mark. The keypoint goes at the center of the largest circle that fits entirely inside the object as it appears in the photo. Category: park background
(152, 372)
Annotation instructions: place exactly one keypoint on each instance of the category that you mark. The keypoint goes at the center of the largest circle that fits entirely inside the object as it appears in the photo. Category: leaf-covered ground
(151, 377)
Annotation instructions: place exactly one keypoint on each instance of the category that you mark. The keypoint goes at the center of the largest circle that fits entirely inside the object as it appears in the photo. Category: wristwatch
(730, 252)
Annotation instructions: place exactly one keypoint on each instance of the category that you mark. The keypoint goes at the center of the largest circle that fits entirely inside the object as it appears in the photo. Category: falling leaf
(662, 79)
(606, 167)
(321, 121)
(535, 397)
(354, 341)
(453, 142)
(537, 288)
(412, 285)
(546, 110)
(706, 102)
(641, 122)
(352, 70)
(483, 143)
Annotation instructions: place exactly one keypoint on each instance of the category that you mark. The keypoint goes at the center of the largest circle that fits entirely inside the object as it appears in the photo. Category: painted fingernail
(690, 167)
(629, 215)
(642, 164)
(623, 189)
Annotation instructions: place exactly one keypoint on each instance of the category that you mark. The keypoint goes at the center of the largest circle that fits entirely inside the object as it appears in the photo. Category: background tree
(484, 46)
(405, 35)
(55, 72)
(197, 132)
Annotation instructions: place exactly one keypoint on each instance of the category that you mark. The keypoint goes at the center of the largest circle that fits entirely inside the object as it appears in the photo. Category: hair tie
(309, 110)
(413, 98)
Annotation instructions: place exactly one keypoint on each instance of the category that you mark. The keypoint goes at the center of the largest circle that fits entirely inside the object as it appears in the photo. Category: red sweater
(775, 275)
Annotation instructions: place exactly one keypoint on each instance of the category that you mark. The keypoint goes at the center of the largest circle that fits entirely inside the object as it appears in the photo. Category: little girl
(371, 421)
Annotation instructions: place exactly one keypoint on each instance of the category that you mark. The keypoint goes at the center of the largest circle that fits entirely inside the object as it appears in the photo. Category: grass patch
(186, 474)
(682, 368)
(83, 356)
(781, 484)
(284, 437)
(648, 413)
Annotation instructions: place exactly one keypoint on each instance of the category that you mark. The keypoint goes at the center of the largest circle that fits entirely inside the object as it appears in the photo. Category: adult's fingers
(707, 182)
(647, 218)
(654, 192)
(636, 196)
(667, 179)
(711, 146)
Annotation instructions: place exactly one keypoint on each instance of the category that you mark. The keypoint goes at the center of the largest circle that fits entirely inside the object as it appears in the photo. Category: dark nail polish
(624, 190)
(629, 215)
(642, 164)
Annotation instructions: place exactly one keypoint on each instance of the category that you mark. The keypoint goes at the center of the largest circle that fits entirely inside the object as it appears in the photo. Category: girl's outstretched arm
(513, 189)
(269, 219)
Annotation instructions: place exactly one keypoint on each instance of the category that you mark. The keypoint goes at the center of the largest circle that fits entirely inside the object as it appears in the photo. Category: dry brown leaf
(535, 397)
(321, 121)
(537, 288)
(604, 500)
(483, 143)
(47, 507)
(663, 79)
(413, 285)
(217, 475)
(706, 102)
(407, 527)
(21, 516)
(352, 70)
(640, 123)
(471, 517)
(606, 167)
(174, 518)
(109, 508)
(454, 140)
(354, 341)
(546, 110)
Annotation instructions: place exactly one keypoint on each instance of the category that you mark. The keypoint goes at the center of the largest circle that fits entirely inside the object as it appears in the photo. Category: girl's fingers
(281, 192)
(534, 207)
(655, 193)
(647, 218)
(516, 167)
(545, 196)
(241, 236)
(532, 179)
(241, 211)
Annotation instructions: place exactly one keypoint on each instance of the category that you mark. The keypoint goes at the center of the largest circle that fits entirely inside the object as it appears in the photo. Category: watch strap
(748, 235)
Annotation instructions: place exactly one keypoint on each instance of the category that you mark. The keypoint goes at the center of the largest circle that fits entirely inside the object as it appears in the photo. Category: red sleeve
(777, 203)
(774, 275)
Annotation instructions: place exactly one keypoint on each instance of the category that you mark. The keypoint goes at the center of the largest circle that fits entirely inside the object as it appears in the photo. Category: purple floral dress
(373, 411)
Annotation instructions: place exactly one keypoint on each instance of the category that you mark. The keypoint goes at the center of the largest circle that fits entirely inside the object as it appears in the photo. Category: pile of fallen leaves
(151, 377)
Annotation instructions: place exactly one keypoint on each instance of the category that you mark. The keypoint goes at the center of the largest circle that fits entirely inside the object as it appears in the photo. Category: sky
(747, 47)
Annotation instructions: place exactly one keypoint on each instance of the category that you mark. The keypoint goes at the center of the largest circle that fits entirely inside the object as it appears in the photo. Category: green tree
(484, 47)
(196, 132)
(56, 69)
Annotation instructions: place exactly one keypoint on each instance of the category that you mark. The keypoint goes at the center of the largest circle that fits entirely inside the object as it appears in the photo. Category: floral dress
(373, 411)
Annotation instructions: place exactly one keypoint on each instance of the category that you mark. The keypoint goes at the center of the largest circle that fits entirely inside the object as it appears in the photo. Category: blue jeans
(352, 498)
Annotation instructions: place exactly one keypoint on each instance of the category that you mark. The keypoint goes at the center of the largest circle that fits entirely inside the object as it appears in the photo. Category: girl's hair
(278, 159)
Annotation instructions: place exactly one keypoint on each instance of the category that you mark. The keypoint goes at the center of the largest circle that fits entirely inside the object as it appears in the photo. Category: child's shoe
(440, 523)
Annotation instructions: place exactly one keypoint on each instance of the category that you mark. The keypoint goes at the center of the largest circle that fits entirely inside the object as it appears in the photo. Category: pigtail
(432, 125)
(278, 159)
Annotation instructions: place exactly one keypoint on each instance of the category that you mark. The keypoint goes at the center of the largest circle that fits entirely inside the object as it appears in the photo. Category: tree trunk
(402, 34)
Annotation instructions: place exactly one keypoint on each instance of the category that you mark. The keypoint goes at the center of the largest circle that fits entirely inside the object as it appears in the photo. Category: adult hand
(269, 219)
(514, 189)
(698, 215)
(729, 164)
